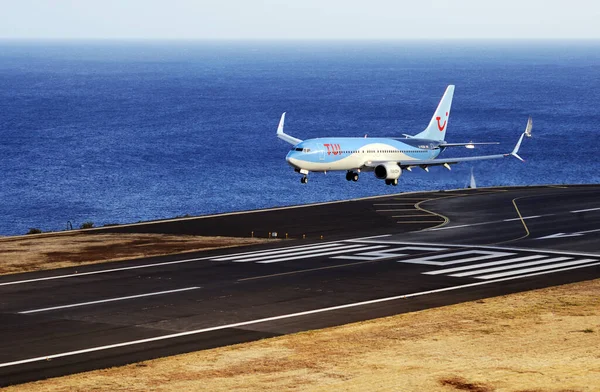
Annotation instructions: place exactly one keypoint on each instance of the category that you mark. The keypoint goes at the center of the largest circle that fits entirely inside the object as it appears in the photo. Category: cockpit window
(301, 149)
(298, 149)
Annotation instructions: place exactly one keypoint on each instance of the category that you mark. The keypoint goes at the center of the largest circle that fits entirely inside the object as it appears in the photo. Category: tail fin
(436, 130)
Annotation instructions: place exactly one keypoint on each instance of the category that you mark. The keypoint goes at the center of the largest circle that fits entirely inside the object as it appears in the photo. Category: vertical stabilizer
(472, 183)
(436, 130)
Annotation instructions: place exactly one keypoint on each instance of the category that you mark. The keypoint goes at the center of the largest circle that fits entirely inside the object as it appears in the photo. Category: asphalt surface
(377, 257)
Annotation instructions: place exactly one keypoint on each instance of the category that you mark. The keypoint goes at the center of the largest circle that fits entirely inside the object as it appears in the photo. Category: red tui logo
(442, 126)
(333, 149)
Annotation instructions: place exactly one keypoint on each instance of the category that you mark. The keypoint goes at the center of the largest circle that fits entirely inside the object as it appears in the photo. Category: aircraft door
(321, 152)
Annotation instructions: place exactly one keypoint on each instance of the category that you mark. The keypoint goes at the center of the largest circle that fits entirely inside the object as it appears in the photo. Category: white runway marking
(388, 253)
(435, 259)
(459, 226)
(548, 267)
(506, 257)
(334, 252)
(108, 300)
(510, 266)
(588, 210)
(394, 204)
(275, 250)
(295, 250)
(487, 223)
(396, 210)
(491, 263)
(563, 235)
(524, 218)
(267, 319)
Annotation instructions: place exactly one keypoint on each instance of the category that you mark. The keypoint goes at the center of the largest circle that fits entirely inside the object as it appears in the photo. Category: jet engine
(388, 171)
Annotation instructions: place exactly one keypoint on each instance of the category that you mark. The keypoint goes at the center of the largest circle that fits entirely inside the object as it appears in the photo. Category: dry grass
(546, 341)
(24, 254)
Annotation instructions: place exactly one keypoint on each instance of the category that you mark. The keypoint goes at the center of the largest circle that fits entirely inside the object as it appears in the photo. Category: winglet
(526, 133)
(284, 136)
(280, 127)
(528, 127)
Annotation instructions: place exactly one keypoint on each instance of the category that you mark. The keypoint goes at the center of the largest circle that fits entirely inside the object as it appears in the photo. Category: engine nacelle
(388, 171)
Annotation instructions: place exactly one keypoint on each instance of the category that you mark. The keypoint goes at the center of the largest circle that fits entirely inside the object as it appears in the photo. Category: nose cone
(291, 159)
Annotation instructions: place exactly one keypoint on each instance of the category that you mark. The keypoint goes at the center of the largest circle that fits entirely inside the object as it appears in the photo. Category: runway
(377, 257)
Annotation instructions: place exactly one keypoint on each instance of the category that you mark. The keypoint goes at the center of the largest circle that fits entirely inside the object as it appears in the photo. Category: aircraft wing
(446, 162)
(467, 145)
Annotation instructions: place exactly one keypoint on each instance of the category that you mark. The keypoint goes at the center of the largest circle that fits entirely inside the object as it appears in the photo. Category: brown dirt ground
(543, 340)
(33, 253)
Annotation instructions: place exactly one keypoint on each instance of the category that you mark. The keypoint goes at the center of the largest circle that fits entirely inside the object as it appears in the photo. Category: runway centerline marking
(589, 209)
(267, 319)
(108, 300)
(523, 218)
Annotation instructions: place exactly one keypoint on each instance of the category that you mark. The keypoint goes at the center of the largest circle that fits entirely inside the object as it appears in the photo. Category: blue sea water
(118, 132)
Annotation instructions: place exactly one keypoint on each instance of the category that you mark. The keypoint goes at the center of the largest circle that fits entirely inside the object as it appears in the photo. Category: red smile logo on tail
(441, 127)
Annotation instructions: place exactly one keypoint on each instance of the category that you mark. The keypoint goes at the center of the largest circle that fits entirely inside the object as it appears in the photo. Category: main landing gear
(391, 182)
(351, 176)
(304, 180)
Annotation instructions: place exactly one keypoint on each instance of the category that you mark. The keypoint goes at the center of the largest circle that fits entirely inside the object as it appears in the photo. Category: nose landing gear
(304, 180)
(351, 176)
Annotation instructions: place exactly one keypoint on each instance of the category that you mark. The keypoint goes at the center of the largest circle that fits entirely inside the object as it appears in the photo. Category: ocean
(120, 132)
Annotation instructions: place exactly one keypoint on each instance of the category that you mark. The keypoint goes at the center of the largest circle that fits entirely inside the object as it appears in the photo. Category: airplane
(386, 157)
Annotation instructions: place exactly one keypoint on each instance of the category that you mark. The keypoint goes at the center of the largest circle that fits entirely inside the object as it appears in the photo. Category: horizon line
(258, 39)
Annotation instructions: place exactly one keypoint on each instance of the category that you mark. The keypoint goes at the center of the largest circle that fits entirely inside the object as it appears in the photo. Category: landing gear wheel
(349, 176)
(388, 182)
(394, 182)
(304, 180)
(354, 177)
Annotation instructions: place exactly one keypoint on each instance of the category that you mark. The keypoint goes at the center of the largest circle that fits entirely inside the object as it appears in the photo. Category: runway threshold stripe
(452, 258)
(356, 248)
(511, 266)
(491, 263)
(284, 249)
(108, 300)
(274, 318)
(297, 250)
(307, 253)
(526, 270)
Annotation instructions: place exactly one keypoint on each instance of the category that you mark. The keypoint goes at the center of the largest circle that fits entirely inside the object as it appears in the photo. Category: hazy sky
(299, 19)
